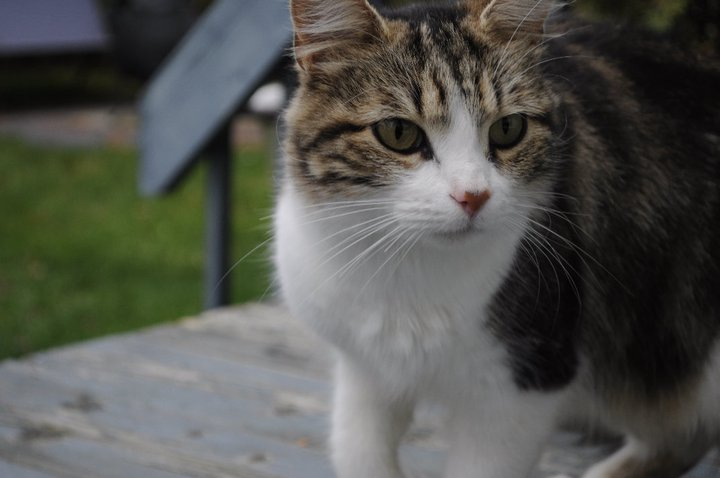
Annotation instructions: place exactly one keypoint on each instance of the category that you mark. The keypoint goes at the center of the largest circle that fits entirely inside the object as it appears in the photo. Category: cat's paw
(638, 460)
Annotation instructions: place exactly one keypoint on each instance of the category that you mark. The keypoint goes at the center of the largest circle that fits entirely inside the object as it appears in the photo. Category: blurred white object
(268, 99)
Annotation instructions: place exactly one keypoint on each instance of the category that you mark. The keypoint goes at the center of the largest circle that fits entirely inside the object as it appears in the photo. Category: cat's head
(442, 114)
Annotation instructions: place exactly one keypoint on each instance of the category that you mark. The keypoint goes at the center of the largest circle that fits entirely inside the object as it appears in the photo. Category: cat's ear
(506, 20)
(330, 29)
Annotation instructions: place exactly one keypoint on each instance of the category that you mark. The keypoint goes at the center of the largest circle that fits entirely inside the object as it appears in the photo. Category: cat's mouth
(465, 232)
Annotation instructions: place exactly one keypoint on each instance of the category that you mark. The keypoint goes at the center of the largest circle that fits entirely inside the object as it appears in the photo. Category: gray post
(217, 246)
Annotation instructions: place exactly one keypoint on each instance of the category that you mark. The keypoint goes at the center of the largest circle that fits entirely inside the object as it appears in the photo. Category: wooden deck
(234, 393)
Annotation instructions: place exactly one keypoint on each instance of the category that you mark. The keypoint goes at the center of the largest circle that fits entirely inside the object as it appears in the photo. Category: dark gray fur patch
(648, 265)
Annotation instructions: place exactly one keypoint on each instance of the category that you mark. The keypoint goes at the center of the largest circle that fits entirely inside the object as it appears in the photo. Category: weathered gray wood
(235, 393)
(226, 56)
(10, 470)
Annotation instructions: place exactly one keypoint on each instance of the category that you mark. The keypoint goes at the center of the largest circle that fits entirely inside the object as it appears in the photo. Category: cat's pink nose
(471, 202)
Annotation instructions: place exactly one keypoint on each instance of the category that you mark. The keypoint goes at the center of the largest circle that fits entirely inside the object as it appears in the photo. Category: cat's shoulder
(655, 68)
(626, 45)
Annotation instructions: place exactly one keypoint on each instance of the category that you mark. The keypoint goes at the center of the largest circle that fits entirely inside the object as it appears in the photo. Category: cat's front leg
(649, 459)
(501, 436)
(367, 426)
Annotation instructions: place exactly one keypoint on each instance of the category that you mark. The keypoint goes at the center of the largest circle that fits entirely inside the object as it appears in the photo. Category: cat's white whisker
(389, 258)
(514, 34)
(556, 58)
(239, 261)
(583, 253)
(340, 271)
(368, 228)
(539, 46)
(357, 238)
(532, 254)
(274, 282)
(565, 216)
(418, 235)
(551, 194)
(543, 250)
(566, 266)
(347, 203)
(549, 252)
(516, 224)
(553, 212)
(369, 251)
(354, 239)
(369, 224)
(339, 206)
(341, 215)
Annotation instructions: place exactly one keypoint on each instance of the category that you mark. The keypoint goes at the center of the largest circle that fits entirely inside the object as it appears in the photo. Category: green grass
(82, 255)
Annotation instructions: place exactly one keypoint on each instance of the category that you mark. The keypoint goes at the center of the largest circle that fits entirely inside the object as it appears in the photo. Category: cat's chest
(411, 316)
(405, 324)
(420, 344)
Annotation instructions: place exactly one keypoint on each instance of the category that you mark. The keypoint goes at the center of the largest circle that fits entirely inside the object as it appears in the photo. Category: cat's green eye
(508, 131)
(399, 135)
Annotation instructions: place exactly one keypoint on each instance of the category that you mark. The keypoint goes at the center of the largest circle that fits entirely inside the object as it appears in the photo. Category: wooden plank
(226, 56)
(216, 426)
(234, 393)
(15, 471)
(234, 412)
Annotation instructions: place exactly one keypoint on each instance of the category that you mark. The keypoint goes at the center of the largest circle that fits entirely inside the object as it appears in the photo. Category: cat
(491, 206)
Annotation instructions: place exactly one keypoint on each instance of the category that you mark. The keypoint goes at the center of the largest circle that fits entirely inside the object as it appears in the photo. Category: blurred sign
(39, 27)
(212, 74)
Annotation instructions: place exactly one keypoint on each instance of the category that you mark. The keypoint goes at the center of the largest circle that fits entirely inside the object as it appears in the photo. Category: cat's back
(636, 86)
(643, 114)
(645, 119)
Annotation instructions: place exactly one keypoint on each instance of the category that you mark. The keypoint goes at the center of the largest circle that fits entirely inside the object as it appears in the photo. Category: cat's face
(440, 116)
